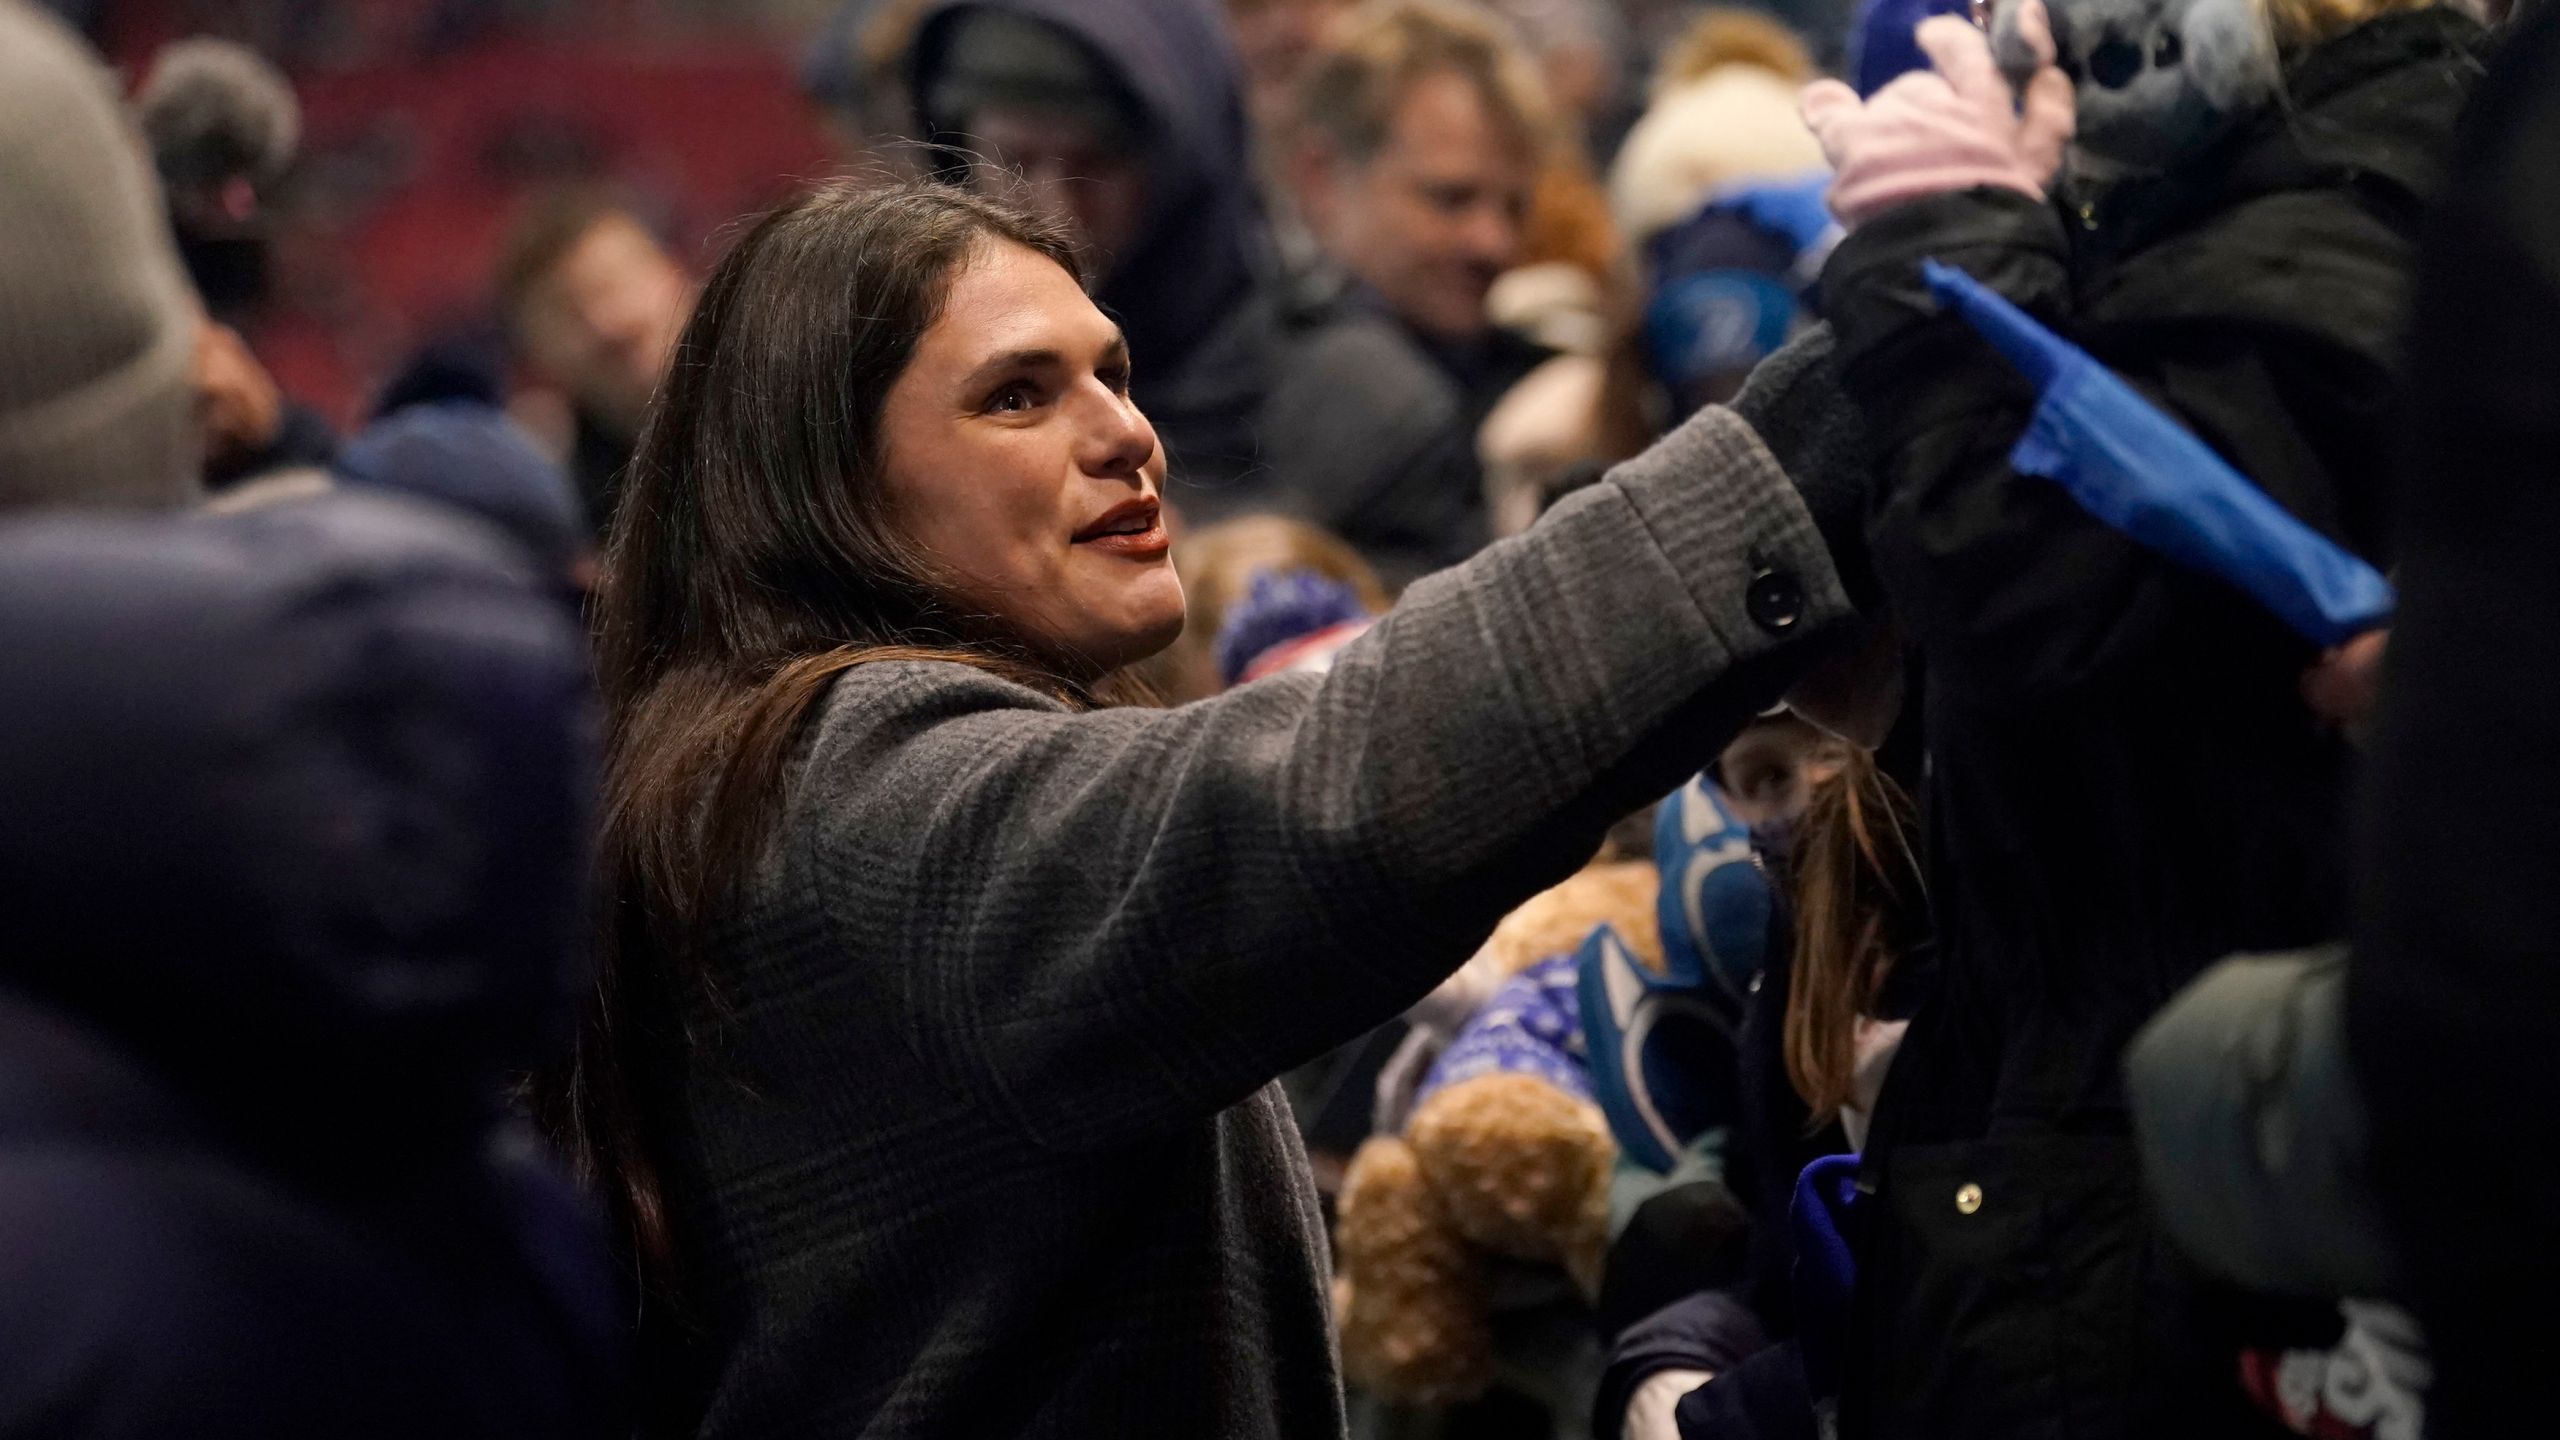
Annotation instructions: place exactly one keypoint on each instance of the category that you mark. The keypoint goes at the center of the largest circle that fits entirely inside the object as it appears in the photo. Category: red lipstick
(1134, 528)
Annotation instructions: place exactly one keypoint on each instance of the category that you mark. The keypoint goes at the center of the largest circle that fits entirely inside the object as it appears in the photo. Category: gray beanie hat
(97, 326)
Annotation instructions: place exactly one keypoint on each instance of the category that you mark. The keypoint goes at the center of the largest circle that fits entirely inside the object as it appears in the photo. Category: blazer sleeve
(1111, 922)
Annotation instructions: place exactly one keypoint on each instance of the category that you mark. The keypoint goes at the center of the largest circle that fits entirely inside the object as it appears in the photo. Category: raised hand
(1954, 126)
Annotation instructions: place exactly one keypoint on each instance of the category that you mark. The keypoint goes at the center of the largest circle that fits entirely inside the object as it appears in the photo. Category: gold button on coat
(1968, 1199)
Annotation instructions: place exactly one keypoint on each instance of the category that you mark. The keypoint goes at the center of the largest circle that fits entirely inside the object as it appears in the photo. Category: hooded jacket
(1189, 290)
(2125, 784)
(297, 803)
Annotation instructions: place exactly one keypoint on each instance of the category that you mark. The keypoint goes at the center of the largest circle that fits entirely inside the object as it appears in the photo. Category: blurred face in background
(1274, 40)
(1433, 217)
(1771, 769)
(1016, 461)
(1077, 177)
(603, 320)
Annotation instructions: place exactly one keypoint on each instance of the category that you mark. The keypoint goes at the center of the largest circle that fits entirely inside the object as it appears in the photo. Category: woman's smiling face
(1017, 462)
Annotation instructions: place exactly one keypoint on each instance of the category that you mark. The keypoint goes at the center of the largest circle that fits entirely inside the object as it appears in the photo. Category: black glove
(1794, 402)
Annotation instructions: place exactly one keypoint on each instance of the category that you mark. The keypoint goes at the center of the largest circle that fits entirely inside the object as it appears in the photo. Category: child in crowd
(1713, 286)
(1218, 564)
(1845, 965)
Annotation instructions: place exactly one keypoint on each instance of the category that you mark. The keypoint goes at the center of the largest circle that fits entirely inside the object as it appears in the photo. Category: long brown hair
(752, 561)
(1860, 904)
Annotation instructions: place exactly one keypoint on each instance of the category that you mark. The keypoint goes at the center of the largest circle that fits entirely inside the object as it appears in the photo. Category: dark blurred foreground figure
(296, 808)
(2455, 982)
(2095, 838)
(298, 804)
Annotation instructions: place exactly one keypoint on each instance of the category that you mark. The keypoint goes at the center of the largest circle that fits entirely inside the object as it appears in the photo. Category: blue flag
(2142, 473)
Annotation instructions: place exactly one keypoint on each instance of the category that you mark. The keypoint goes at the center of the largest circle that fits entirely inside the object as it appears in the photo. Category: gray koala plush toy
(2156, 78)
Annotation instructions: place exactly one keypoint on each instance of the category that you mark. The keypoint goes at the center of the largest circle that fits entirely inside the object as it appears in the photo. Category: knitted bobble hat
(97, 325)
(1281, 610)
(1723, 112)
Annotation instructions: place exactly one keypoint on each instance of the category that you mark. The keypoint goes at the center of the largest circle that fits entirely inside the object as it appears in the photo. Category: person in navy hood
(298, 809)
(1125, 118)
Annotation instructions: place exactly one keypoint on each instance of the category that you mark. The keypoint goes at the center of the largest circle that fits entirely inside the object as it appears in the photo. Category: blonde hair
(1723, 110)
(1732, 37)
(1555, 921)
(1348, 99)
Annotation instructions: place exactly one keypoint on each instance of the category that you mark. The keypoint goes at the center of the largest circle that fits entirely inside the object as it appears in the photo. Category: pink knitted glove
(1953, 126)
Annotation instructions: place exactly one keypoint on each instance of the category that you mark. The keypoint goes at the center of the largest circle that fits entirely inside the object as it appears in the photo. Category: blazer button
(1968, 1199)
(1774, 601)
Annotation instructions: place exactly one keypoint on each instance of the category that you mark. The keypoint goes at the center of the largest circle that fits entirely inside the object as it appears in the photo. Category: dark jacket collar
(1482, 367)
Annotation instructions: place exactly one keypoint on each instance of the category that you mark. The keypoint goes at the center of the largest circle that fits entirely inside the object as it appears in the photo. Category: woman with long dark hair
(931, 1074)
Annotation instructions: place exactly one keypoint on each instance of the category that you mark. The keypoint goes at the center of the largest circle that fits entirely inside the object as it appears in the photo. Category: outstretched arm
(1111, 922)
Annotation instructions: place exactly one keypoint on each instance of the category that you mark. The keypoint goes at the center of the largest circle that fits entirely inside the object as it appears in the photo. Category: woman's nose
(1119, 441)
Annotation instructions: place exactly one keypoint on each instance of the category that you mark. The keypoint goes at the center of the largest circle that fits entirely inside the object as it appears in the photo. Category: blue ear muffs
(1663, 1056)
(1715, 903)
(1663, 1048)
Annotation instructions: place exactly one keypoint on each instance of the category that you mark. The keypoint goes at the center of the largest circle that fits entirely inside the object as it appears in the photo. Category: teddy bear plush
(1504, 1154)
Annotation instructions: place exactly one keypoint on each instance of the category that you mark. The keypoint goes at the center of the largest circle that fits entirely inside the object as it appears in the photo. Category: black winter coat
(2453, 987)
(1370, 431)
(164, 1278)
(2124, 783)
